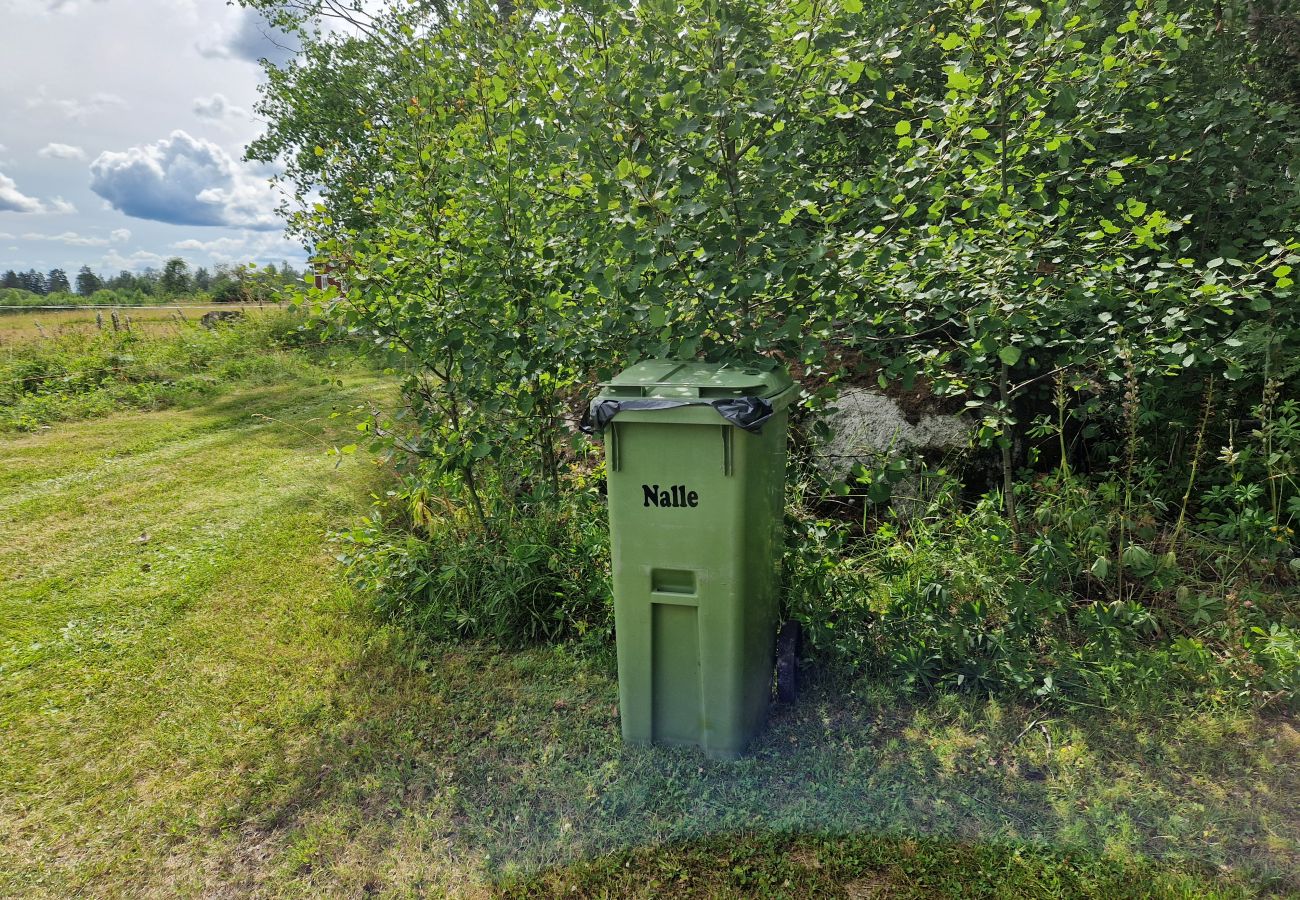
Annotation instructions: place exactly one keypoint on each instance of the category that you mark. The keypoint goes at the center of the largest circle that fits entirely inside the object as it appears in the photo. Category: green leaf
(1009, 355)
(959, 80)
(903, 127)
(1138, 560)
(852, 6)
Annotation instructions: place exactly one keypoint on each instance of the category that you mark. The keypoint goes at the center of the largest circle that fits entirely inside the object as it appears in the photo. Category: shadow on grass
(858, 866)
(300, 410)
(512, 763)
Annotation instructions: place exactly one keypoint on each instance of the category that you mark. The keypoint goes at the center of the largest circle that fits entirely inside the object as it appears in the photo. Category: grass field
(25, 325)
(193, 702)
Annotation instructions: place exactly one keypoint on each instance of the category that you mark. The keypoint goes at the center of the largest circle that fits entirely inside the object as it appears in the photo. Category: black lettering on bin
(675, 497)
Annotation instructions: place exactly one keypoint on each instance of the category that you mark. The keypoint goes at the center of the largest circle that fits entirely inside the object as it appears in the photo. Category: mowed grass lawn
(194, 703)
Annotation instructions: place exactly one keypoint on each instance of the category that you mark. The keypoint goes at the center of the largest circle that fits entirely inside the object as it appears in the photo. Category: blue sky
(122, 128)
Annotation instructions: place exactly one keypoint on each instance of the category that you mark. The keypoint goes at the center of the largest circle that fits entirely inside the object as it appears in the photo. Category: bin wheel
(788, 642)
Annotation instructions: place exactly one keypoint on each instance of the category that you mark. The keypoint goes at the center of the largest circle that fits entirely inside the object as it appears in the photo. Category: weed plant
(940, 599)
(540, 575)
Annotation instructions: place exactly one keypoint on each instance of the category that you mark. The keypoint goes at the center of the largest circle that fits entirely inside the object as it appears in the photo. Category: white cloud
(259, 247)
(140, 259)
(120, 235)
(78, 110)
(251, 39)
(71, 238)
(47, 6)
(216, 108)
(183, 180)
(54, 150)
(14, 200)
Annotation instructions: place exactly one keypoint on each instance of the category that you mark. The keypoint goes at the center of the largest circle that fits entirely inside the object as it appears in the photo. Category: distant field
(26, 325)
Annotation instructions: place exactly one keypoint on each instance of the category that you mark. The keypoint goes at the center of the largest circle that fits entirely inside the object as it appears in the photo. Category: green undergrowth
(939, 600)
(540, 575)
(941, 597)
(82, 375)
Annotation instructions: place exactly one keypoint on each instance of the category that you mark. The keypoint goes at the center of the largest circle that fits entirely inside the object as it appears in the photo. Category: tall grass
(76, 375)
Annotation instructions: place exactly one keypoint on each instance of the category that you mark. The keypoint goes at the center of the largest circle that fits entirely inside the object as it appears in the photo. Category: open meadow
(22, 325)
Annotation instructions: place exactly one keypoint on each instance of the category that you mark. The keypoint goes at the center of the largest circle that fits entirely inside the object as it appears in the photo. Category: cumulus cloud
(217, 108)
(183, 180)
(14, 200)
(120, 235)
(54, 150)
(252, 39)
(77, 110)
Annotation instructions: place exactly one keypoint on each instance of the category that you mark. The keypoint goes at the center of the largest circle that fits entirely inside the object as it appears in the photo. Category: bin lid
(670, 378)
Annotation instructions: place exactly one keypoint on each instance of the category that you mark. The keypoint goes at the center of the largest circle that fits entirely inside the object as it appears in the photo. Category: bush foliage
(1078, 219)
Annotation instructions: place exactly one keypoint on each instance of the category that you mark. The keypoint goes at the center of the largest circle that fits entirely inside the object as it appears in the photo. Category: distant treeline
(223, 284)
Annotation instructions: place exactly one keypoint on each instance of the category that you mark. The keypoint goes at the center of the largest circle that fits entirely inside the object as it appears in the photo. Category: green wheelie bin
(695, 457)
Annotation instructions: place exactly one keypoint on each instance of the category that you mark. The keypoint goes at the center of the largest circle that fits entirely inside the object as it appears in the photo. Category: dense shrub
(941, 598)
(1076, 220)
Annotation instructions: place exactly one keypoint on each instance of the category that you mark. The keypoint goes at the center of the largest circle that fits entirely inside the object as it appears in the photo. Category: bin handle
(748, 413)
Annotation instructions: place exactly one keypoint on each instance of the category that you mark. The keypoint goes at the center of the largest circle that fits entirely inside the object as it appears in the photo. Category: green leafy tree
(88, 282)
(32, 281)
(991, 198)
(175, 278)
(56, 282)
